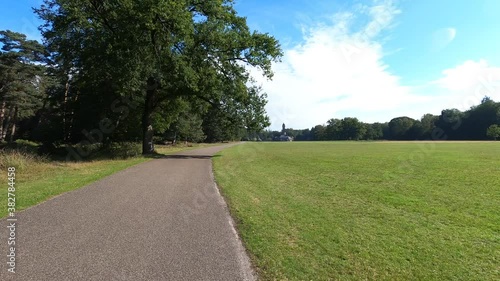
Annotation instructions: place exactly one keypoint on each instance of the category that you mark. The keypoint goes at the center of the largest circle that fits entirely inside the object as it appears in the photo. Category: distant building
(283, 136)
(286, 138)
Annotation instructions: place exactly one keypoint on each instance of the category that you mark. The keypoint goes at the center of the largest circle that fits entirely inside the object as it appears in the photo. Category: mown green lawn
(366, 210)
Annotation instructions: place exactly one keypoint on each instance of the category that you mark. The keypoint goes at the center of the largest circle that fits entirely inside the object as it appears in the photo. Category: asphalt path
(160, 220)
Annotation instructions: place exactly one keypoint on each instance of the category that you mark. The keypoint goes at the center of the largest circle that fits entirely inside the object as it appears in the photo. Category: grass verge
(366, 210)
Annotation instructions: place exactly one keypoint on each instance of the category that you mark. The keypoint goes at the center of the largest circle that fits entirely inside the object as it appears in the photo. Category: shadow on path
(181, 156)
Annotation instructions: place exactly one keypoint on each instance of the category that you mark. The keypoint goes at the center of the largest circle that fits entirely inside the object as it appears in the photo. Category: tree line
(130, 70)
(481, 122)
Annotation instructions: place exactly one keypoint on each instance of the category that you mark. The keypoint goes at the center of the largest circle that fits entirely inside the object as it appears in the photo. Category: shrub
(90, 150)
(24, 143)
(124, 149)
(20, 145)
(493, 132)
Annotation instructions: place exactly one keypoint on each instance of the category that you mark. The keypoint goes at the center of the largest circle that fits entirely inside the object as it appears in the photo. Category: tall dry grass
(20, 159)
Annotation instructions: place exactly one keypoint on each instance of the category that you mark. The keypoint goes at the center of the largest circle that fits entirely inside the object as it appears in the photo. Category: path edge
(247, 268)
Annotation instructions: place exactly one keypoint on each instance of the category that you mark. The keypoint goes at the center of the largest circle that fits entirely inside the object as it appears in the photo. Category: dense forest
(481, 122)
(134, 71)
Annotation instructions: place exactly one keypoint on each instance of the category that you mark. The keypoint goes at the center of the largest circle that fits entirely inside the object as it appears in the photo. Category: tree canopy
(156, 54)
(21, 80)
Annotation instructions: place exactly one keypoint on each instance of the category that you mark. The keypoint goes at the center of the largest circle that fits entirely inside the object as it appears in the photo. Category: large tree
(399, 128)
(22, 82)
(159, 50)
(477, 120)
(346, 129)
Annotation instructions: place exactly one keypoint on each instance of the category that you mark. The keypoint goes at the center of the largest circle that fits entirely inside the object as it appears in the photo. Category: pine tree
(22, 76)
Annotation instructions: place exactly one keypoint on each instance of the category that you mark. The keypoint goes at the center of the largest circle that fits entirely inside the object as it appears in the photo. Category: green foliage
(399, 127)
(450, 121)
(26, 143)
(345, 129)
(22, 80)
(319, 132)
(375, 131)
(253, 110)
(476, 121)
(428, 124)
(188, 128)
(21, 146)
(159, 51)
(89, 149)
(123, 150)
(221, 125)
(493, 131)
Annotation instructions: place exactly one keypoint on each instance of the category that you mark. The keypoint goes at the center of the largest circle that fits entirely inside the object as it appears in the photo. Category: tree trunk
(39, 113)
(147, 126)
(5, 128)
(13, 128)
(65, 113)
(72, 116)
(2, 117)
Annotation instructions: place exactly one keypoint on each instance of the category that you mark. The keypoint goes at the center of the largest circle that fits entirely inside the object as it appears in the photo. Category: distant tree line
(481, 122)
(130, 70)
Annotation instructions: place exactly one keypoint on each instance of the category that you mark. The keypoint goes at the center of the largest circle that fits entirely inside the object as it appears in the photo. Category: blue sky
(18, 16)
(371, 59)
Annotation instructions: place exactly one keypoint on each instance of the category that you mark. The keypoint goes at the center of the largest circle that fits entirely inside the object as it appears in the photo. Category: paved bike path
(160, 220)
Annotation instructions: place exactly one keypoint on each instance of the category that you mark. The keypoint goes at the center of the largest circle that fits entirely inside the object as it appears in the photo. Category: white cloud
(466, 84)
(338, 72)
(442, 37)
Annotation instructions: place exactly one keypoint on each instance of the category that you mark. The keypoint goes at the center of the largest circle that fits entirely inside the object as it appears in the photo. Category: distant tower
(283, 129)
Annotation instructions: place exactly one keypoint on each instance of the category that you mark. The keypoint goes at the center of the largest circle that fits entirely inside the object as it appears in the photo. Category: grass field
(37, 181)
(366, 210)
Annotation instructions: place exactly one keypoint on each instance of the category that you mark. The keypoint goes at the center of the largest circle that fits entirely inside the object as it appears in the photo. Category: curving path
(160, 220)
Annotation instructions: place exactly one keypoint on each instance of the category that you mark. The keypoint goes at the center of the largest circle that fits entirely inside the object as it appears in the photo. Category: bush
(21, 145)
(84, 151)
(124, 149)
(90, 148)
(21, 142)
(493, 132)
(97, 151)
